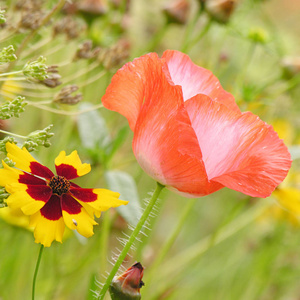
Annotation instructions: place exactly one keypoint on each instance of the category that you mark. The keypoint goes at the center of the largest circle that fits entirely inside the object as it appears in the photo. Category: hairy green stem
(36, 270)
(131, 240)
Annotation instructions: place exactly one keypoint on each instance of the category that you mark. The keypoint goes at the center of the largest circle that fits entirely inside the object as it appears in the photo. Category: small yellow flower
(53, 201)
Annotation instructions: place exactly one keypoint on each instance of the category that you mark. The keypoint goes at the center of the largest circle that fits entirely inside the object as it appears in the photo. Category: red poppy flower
(53, 201)
(189, 134)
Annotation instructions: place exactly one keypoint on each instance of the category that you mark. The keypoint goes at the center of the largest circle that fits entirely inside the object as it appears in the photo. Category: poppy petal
(22, 200)
(239, 150)
(97, 199)
(70, 166)
(125, 94)
(76, 217)
(164, 142)
(25, 162)
(196, 80)
(45, 230)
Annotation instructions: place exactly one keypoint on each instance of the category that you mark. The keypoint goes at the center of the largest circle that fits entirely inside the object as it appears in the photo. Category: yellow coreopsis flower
(53, 201)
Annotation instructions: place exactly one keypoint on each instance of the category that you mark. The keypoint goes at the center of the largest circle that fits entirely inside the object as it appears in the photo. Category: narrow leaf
(124, 184)
(92, 129)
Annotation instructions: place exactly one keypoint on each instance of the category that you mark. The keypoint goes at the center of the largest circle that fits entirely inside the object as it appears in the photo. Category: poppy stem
(36, 270)
(131, 240)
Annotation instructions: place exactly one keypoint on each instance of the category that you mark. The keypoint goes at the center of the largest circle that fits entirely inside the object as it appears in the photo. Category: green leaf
(124, 184)
(92, 129)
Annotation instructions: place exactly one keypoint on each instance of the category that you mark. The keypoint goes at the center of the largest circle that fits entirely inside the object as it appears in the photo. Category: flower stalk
(36, 270)
(131, 240)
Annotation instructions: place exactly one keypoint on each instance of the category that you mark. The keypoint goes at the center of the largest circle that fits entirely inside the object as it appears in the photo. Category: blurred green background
(222, 246)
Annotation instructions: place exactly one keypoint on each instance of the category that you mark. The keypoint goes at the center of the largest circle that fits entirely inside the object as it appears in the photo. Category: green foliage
(12, 108)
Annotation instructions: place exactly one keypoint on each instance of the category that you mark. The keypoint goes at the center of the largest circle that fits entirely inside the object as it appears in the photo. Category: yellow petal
(82, 222)
(15, 187)
(46, 231)
(105, 199)
(74, 161)
(14, 217)
(22, 200)
(21, 157)
(8, 174)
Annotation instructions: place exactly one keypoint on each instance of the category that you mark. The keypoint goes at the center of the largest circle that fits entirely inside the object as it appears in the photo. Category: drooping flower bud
(220, 10)
(127, 286)
(177, 11)
(290, 67)
(92, 7)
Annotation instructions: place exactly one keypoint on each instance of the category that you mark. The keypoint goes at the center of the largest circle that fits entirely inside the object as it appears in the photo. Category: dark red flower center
(59, 185)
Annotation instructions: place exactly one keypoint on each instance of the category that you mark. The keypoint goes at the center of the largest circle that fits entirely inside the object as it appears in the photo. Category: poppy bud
(177, 11)
(92, 7)
(290, 67)
(220, 10)
(127, 286)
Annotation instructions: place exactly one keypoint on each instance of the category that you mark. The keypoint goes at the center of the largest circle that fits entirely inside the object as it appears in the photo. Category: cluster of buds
(69, 26)
(29, 5)
(38, 138)
(86, 51)
(128, 285)
(7, 54)
(3, 195)
(2, 16)
(36, 70)
(53, 79)
(31, 20)
(65, 97)
(12, 108)
(32, 14)
(4, 141)
(114, 56)
(177, 11)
